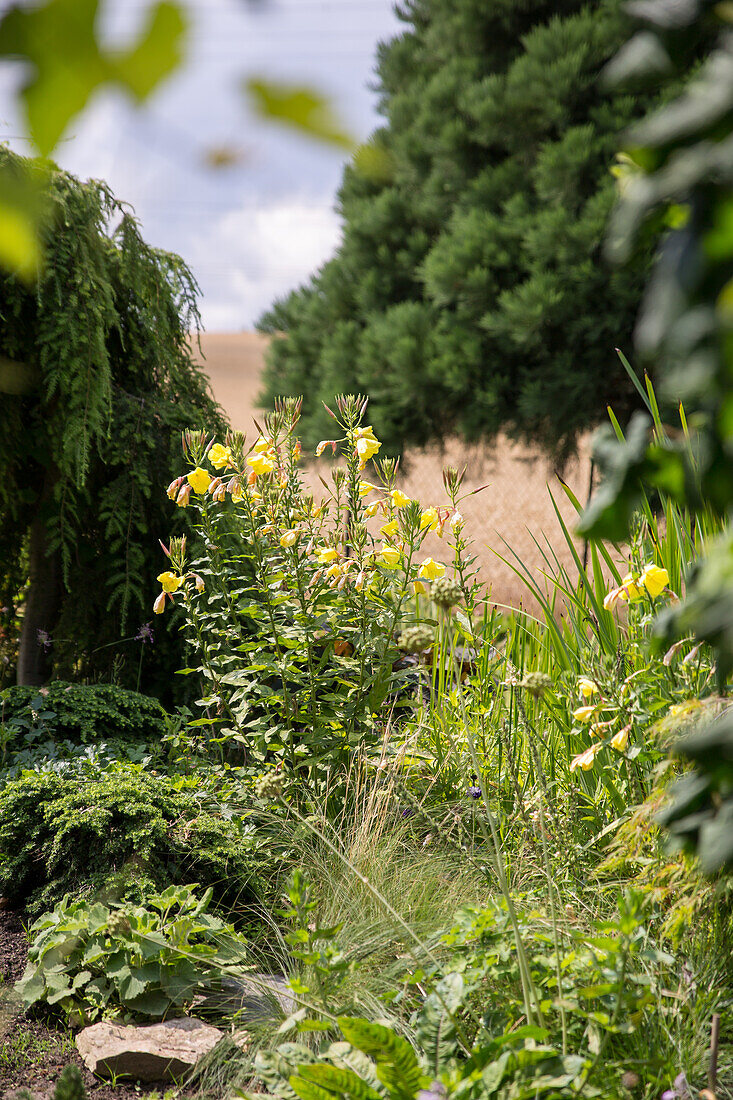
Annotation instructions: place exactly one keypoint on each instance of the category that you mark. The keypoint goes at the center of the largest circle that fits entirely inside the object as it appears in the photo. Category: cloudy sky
(256, 229)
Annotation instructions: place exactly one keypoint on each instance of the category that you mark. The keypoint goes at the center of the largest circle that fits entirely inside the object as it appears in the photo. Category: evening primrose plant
(295, 605)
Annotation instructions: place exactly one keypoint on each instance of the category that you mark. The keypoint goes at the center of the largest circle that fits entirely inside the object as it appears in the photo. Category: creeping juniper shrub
(122, 834)
(85, 713)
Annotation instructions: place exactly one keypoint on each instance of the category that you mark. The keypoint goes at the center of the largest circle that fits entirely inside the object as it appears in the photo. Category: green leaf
(343, 1081)
(300, 107)
(397, 1064)
(66, 64)
(159, 52)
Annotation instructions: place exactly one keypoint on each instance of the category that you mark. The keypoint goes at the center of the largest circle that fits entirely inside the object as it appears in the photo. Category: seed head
(445, 592)
(536, 683)
(416, 638)
(270, 785)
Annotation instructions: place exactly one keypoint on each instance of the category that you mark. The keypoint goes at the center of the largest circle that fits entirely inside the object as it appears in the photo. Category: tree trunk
(41, 608)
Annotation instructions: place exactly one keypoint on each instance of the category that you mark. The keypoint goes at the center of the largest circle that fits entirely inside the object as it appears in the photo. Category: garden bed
(33, 1052)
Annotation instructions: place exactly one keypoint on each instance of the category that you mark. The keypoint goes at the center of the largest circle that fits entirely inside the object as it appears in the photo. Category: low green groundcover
(121, 833)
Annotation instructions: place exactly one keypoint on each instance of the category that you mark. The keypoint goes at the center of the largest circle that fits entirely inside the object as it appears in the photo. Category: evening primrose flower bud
(620, 740)
(159, 605)
(585, 760)
(446, 592)
(198, 582)
(584, 714)
(174, 487)
(456, 522)
(289, 538)
(587, 687)
(184, 495)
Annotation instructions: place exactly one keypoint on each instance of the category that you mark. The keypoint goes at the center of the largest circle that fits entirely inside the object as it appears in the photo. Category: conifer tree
(469, 292)
(98, 384)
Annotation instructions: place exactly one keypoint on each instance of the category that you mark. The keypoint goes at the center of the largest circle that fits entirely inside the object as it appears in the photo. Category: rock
(149, 1052)
(254, 998)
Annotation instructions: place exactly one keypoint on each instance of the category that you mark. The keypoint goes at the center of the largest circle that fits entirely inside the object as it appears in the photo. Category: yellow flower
(587, 687)
(199, 480)
(366, 444)
(630, 588)
(586, 759)
(261, 463)
(627, 590)
(327, 554)
(584, 714)
(365, 488)
(371, 510)
(389, 555)
(431, 570)
(419, 588)
(334, 570)
(429, 519)
(262, 446)
(399, 499)
(654, 579)
(289, 538)
(456, 522)
(170, 582)
(220, 457)
(390, 529)
(621, 739)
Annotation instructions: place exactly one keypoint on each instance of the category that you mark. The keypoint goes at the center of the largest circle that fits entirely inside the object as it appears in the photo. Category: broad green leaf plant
(89, 960)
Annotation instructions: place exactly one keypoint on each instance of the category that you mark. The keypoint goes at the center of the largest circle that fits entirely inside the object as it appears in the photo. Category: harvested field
(515, 508)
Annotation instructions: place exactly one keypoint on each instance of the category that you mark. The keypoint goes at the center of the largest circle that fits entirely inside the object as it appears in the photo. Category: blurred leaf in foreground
(67, 64)
(300, 107)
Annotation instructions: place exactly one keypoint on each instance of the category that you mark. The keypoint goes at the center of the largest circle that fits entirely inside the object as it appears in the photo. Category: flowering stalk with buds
(296, 605)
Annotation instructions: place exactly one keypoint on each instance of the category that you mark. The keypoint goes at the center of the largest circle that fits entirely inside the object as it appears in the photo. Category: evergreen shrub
(122, 834)
(85, 713)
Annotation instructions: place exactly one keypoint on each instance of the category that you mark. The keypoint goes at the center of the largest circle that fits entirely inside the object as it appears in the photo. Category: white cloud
(256, 254)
